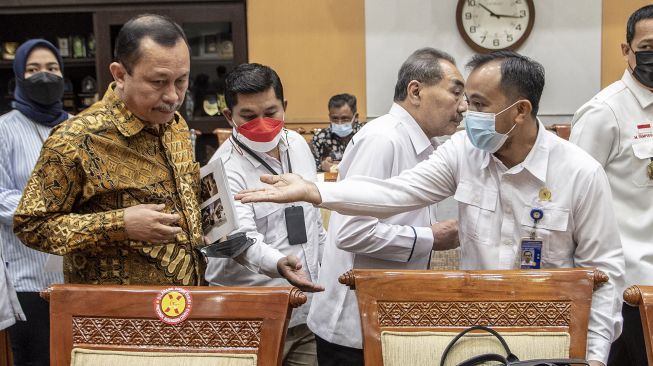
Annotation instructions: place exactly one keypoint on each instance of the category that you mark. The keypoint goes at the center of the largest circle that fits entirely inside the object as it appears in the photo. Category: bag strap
(552, 362)
(482, 358)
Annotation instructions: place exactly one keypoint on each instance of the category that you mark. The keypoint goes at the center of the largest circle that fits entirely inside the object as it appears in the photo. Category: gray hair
(424, 66)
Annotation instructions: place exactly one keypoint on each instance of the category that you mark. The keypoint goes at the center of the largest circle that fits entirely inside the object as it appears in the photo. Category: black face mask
(643, 71)
(44, 88)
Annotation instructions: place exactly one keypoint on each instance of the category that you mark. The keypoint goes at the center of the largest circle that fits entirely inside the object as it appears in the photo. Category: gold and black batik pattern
(94, 166)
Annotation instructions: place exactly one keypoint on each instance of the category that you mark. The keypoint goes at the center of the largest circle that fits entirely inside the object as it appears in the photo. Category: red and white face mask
(260, 134)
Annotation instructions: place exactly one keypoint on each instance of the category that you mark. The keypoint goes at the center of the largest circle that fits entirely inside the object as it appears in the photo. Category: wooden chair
(222, 134)
(106, 325)
(561, 129)
(642, 296)
(423, 310)
(5, 349)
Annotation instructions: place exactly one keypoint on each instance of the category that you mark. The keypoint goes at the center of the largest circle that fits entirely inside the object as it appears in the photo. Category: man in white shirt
(429, 102)
(615, 128)
(260, 145)
(512, 180)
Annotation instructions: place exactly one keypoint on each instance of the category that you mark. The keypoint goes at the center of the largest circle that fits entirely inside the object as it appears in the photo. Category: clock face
(491, 25)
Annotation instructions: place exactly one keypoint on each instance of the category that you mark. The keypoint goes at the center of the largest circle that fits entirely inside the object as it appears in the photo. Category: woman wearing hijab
(37, 109)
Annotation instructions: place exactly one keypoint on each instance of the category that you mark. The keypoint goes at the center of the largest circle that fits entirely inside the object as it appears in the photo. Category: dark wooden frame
(481, 49)
(377, 289)
(642, 297)
(265, 309)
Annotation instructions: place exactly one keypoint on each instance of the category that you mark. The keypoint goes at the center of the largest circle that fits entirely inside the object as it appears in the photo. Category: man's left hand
(290, 268)
(595, 363)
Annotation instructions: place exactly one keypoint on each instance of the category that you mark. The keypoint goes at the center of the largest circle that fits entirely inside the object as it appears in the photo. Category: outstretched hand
(290, 268)
(283, 188)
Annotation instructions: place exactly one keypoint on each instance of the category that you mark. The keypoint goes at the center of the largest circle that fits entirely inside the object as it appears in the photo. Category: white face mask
(343, 129)
(481, 130)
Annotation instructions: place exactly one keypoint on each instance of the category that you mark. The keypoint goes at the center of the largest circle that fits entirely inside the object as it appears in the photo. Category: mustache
(167, 108)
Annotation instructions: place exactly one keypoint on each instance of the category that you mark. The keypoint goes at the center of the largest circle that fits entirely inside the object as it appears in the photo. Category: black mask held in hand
(44, 88)
(643, 72)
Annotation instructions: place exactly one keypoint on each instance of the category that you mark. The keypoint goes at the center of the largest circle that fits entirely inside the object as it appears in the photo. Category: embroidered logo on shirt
(644, 131)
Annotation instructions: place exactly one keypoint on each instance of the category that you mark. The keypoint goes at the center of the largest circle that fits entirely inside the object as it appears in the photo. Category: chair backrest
(425, 309)
(561, 129)
(642, 296)
(222, 134)
(223, 321)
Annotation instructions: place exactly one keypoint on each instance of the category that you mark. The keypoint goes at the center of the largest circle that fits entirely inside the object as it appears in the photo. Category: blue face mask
(343, 129)
(481, 130)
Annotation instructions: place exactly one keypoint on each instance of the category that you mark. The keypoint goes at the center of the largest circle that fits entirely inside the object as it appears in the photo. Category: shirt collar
(536, 161)
(643, 95)
(126, 122)
(415, 133)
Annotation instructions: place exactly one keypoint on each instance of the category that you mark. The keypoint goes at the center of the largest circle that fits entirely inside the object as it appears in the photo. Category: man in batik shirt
(329, 143)
(115, 190)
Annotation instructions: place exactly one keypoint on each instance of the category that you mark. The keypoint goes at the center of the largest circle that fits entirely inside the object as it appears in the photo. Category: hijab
(47, 115)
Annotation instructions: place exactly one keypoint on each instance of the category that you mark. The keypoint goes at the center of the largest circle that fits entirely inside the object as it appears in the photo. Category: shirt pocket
(643, 151)
(476, 205)
(557, 242)
(270, 221)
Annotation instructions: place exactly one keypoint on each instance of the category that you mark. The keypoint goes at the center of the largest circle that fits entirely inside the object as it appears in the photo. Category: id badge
(295, 225)
(531, 253)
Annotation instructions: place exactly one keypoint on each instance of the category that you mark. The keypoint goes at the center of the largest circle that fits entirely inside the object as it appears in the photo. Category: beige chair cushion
(426, 348)
(91, 357)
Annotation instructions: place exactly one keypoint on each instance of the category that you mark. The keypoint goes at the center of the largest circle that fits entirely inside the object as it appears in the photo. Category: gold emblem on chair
(173, 305)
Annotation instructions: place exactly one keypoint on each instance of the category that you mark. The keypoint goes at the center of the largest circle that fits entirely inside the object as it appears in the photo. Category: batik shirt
(91, 168)
(326, 143)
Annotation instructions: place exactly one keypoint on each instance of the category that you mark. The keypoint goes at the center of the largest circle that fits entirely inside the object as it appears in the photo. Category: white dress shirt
(606, 127)
(382, 149)
(266, 222)
(10, 309)
(22, 140)
(578, 228)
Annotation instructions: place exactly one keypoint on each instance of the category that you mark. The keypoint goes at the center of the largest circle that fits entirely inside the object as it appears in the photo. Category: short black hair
(161, 29)
(340, 100)
(251, 79)
(424, 66)
(645, 12)
(521, 77)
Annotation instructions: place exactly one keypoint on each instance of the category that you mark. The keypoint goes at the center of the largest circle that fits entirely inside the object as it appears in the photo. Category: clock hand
(492, 14)
(508, 16)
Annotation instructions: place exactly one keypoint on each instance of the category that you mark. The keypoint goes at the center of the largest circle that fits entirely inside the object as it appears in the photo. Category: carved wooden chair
(642, 296)
(222, 134)
(112, 325)
(408, 317)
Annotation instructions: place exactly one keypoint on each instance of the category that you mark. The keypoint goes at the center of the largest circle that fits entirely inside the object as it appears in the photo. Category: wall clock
(493, 25)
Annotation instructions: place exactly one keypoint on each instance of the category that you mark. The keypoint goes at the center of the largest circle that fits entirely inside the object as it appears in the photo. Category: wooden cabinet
(216, 31)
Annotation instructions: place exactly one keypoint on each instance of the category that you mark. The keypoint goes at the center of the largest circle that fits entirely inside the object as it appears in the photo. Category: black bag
(510, 359)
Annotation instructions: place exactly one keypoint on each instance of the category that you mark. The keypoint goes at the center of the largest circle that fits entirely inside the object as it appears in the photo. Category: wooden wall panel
(615, 17)
(317, 47)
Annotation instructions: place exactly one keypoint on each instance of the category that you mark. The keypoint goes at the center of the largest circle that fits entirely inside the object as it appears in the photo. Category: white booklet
(217, 203)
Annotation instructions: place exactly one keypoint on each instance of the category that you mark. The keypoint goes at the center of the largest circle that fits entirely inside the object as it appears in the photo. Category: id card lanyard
(531, 246)
(295, 223)
(258, 158)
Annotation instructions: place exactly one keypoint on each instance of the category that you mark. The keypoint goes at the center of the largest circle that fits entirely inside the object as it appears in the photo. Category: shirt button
(507, 242)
